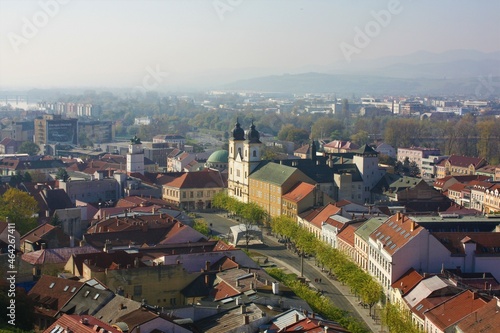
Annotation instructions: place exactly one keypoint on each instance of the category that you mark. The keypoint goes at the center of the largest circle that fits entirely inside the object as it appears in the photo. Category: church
(326, 178)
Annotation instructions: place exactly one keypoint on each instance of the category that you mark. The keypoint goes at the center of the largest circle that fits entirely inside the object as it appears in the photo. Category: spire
(238, 132)
(253, 135)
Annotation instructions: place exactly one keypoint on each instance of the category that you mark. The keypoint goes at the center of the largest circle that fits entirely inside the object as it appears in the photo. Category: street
(277, 253)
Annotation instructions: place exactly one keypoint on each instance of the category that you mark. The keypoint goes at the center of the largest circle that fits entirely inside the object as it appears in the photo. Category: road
(278, 253)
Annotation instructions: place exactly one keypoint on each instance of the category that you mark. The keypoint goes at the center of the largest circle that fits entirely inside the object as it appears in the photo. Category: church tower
(244, 156)
(135, 156)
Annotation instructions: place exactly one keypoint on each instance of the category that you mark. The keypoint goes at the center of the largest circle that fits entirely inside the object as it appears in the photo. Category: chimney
(207, 266)
(276, 288)
(398, 216)
(296, 317)
(412, 225)
(178, 262)
(246, 320)
(136, 262)
(207, 280)
(243, 309)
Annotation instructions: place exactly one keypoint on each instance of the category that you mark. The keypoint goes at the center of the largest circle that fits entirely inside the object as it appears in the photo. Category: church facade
(245, 150)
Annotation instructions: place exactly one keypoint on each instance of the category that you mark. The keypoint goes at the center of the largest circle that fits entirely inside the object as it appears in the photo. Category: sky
(170, 43)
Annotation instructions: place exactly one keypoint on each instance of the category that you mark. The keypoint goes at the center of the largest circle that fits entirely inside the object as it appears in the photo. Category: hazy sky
(58, 43)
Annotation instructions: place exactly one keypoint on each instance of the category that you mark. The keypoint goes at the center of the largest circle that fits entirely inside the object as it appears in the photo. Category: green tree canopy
(28, 147)
(62, 174)
(20, 208)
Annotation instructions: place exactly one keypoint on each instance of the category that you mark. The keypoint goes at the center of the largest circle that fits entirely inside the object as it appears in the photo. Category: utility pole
(301, 263)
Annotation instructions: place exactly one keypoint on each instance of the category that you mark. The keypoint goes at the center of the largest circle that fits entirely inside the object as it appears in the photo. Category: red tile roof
(224, 290)
(38, 233)
(81, 324)
(55, 256)
(347, 234)
(300, 191)
(50, 294)
(457, 187)
(396, 232)
(455, 309)
(207, 178)
(486, 242)
(484, 320)
(323, 214)
(408, 281)
(465, 161)
(305, 149)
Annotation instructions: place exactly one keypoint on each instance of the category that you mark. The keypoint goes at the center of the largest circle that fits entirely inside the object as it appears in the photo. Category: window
(254, 153)
(173, 301)
(138, 290)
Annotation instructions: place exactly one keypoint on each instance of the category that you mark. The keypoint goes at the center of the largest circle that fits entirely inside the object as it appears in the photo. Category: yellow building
(158, 284)
(459, 166)
(300, 198)
(491, 201)
(268, 183)
(194, 190)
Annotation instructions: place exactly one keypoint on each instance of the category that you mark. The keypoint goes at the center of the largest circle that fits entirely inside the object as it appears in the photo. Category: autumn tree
(28, 147)
(20, 208)
(324, 128)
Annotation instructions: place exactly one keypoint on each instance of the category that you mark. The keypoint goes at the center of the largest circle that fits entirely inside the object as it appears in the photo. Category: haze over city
(205, 44)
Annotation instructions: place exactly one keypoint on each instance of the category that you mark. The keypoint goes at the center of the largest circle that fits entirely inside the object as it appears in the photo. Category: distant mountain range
(460, 72)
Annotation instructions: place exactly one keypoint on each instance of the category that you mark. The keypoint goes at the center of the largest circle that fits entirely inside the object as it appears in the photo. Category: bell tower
(244, 156)
(135, 156)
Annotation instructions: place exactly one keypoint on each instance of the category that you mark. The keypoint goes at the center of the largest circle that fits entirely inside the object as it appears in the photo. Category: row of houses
(144, 272)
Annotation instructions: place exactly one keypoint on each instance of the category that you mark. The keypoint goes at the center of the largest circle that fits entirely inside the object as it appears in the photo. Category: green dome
(219, 156)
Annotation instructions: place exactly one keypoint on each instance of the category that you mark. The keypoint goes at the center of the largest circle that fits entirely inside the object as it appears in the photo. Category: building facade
(244, 157)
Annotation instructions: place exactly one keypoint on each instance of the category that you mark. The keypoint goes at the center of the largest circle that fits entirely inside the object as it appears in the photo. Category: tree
(20, 208)
(371, 292)
(27, 177)
(360, 138)
(298, 136)
(324, 128)
(413, 169)
(28, 147)
(201, 226)
(62, 174)
(16, 179)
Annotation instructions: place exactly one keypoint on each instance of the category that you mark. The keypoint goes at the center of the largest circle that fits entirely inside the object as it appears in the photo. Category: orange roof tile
(396, 232)
(80, 324)
(484, 320)
(347, 234)
(408, 281)
(455, 309)
(324, 214)
(224, 290)
(300, 191)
